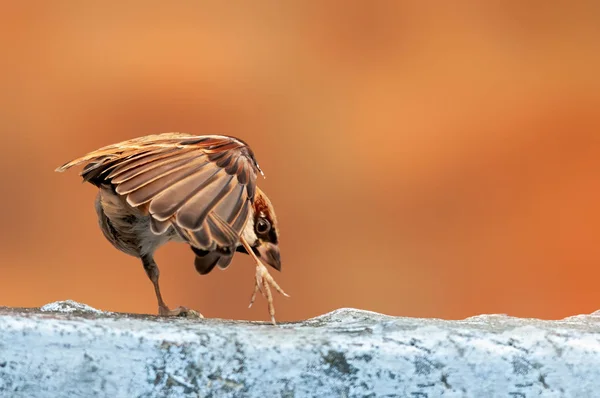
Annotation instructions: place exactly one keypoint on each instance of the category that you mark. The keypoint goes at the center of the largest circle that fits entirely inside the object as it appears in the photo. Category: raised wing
(203, 186)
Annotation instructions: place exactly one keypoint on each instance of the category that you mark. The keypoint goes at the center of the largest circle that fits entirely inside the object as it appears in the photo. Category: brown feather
(159, 227)
(139, 165)
(202, 237)
(230, 206)
(195, 210)
(165, 204)
(147, 190)
(201, 185)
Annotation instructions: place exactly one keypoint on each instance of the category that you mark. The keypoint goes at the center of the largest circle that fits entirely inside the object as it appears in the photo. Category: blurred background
(426, 159)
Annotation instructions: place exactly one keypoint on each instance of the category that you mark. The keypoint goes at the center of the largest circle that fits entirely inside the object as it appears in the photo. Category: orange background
(430, 159)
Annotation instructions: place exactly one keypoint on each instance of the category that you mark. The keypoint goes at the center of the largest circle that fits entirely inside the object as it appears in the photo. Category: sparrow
(200, 190)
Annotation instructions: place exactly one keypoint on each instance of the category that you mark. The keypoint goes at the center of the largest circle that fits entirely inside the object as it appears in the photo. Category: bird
(196, 189)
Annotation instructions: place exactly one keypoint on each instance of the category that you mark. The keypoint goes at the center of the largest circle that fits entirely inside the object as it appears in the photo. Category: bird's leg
(263, 282)
(153, 273)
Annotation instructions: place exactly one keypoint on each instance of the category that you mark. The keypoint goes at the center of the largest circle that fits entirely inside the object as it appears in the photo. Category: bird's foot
(263, 282)
(179, 311)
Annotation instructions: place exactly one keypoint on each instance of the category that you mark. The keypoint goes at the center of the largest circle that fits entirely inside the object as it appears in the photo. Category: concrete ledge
(67, 349)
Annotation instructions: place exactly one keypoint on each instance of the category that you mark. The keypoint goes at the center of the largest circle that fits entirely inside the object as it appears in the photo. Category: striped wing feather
(203, 186)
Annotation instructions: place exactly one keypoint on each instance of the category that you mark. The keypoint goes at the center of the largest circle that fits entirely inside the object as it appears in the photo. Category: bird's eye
(262, 226)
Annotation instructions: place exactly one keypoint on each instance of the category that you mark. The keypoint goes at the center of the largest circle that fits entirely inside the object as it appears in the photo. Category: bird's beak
(269, 253)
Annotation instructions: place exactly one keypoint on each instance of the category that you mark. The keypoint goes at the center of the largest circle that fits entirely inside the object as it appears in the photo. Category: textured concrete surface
(68, 349)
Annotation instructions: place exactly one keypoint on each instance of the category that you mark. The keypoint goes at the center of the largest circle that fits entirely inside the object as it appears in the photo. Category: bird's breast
(126, 227)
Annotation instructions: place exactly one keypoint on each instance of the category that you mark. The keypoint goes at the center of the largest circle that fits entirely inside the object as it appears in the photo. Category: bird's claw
(262, 283)
(179, 311)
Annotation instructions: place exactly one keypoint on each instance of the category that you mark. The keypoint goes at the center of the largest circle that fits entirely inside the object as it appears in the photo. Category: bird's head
(261, 231)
